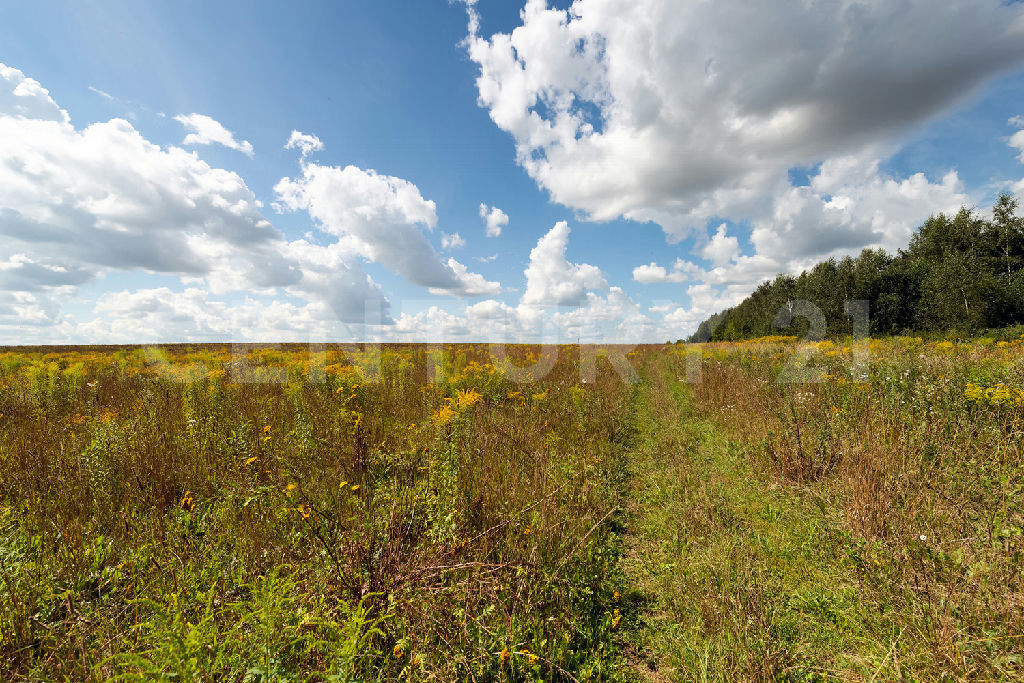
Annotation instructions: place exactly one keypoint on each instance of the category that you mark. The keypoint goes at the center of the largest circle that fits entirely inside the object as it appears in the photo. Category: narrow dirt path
(730, 576)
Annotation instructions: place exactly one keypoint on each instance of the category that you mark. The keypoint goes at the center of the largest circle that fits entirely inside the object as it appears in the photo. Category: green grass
(733, 576)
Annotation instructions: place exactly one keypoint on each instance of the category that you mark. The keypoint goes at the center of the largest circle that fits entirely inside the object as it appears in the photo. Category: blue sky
(392, 87)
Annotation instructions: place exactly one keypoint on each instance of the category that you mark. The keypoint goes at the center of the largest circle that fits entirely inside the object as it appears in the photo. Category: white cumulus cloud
(385, 218)
(849, 205)
(551, 279)
(76, 204)
(26, 98)
(494, 220)
(306, 144)
(453, 241)
(657, 110)
(722, 248)
(470, 284)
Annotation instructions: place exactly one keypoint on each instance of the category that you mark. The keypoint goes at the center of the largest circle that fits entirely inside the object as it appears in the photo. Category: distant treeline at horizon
(961, 273)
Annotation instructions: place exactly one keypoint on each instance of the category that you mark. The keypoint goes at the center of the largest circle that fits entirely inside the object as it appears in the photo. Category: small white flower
(923, 537)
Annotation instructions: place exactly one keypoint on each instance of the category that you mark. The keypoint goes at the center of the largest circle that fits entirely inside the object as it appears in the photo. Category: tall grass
(347, 513)
(413, 513)
(921, 456)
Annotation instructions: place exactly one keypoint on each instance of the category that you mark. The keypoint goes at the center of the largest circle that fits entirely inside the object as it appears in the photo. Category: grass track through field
(731, 576)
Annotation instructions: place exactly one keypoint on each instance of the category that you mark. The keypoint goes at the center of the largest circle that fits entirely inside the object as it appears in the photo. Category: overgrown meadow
(351, 515)
(876, 493)
(416, 512)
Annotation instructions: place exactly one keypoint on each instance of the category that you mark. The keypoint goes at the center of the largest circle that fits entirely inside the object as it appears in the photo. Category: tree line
(961, 273)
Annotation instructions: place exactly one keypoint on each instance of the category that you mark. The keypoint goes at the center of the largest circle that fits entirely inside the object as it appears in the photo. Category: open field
(434, 513)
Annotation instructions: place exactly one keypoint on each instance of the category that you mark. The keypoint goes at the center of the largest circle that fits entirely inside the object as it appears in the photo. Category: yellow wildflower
(467, 399)
(444, 416)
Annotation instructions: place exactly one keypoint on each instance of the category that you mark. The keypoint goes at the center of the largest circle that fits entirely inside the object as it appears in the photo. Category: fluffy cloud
(77, 204)
(494, 219)
(384, 219)
(676, 113)
(105, 198)
(614, 318)
(651, 273)
(26, 98)
(744, 272)
(332, 276)
(722, 248)
(306, 144)
(208, 131)
(31, 313)
(159, 314)
(453, 241)
(470, 284)
(551, 280)
(850, 205)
